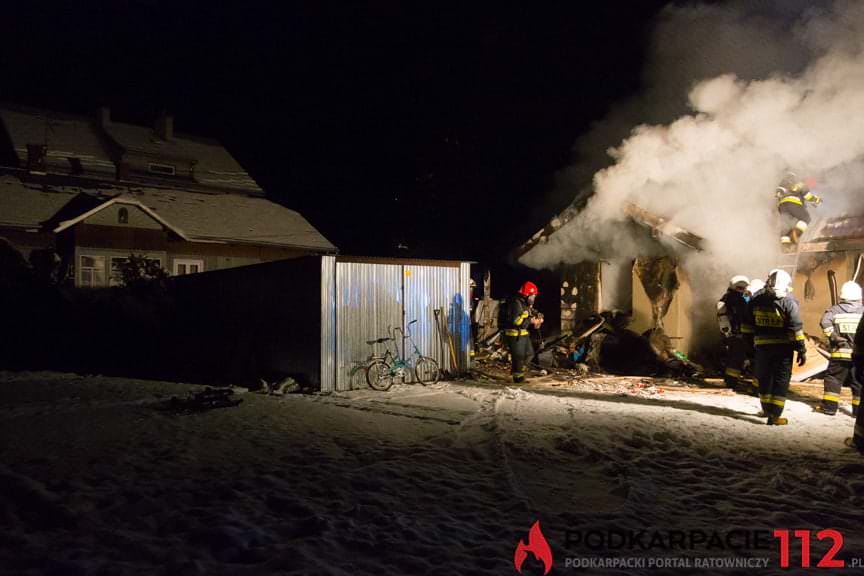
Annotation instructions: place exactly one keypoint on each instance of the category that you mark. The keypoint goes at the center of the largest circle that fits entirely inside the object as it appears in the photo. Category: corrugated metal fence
(365, 300)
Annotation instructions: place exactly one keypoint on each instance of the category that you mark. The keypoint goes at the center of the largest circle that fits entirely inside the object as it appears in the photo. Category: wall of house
(814, 302)
(677, 323)
(580, 293)
(137, 218)
(120, 241)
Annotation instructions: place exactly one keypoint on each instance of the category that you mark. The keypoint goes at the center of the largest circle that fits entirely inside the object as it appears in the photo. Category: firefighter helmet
(779, 282)
(739, 281)
(789, 179)
(850, 291)
(528, 289)
(755, 285)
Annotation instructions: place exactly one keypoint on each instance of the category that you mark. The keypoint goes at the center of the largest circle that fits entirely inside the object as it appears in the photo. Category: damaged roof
(230, 218)
(840, 228)
(658, 225)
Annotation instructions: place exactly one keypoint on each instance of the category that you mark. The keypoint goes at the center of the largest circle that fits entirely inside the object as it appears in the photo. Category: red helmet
(528, 289)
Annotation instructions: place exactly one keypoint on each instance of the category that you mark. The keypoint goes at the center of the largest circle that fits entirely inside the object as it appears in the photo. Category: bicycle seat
(378, 341)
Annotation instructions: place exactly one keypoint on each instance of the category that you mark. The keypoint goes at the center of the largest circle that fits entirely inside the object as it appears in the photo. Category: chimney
(103, 116)
(165, 126)
(37, 155)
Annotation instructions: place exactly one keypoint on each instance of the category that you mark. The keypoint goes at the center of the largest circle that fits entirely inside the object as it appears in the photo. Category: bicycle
(382, 371)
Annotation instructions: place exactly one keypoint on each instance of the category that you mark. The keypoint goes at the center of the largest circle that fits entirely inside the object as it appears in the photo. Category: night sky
(439, 129)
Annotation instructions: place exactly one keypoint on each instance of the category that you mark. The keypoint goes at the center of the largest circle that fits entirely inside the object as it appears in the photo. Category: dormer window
(123, 216)
(164, 169)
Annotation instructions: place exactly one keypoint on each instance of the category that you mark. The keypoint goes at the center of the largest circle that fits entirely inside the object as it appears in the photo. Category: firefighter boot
(827, 407)
(857, 440)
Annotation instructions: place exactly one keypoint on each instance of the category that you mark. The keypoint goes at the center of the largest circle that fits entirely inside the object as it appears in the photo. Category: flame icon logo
(537, 545)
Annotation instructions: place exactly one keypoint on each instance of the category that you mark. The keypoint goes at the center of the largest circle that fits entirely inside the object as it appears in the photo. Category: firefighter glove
(802, 357)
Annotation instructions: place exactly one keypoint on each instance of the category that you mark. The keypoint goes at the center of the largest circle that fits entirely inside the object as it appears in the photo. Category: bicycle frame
(407, 361)
(397, 363)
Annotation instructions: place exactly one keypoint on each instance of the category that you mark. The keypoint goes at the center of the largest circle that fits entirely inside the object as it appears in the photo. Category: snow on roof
(840, 228)
(66, 137)
(122, 199)
(229, 218)
(82, 139)
(214, 166)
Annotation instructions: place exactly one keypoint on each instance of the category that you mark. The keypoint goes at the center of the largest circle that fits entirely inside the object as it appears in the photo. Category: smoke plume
(766, 87)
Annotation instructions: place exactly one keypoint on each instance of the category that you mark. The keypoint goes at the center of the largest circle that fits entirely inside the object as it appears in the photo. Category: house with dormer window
(88, 192)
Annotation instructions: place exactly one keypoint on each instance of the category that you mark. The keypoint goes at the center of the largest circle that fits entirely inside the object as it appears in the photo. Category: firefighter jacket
(772, 320)
(858, 348)
(796, 194)
(731, 310)
(516, 317)
(839, 324)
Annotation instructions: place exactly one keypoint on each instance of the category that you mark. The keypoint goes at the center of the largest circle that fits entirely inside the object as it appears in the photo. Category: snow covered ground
(97, 478)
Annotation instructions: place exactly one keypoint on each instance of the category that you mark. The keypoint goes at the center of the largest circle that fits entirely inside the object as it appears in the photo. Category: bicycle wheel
(426, 370)
(379, 376)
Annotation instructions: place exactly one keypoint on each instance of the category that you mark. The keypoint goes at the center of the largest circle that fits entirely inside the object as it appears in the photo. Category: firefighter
(753, 288)
(773, 320)
(519, 316)
(857, 440)
(793, 195)
(731, 309)
(840, 324)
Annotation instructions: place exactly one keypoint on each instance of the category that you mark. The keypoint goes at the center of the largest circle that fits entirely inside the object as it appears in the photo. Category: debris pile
(601, 343)
(207, 399)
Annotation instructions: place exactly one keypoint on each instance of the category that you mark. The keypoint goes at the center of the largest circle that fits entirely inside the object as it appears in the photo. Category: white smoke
(713, 171)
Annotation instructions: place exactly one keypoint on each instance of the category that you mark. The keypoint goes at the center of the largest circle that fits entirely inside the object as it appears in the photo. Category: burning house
(657, 291)
(651, 288)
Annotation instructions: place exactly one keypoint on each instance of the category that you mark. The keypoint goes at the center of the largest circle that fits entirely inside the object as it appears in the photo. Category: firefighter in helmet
(518, 317)
(731, 309)
(839, 324)
(775, 323)
(793, 195)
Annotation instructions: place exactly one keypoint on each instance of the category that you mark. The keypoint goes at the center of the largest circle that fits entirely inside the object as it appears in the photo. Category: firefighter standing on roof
(793, 195)
(773, 320)
(731, 309)
(517, 319)
(839, 324)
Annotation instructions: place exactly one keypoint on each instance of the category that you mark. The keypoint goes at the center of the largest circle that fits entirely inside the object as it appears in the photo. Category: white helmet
(850, 291)
(755, 285)
(779, 282)
(738, 280)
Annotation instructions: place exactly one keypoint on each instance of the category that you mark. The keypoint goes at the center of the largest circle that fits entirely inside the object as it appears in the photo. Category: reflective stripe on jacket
(772, 320)
(517, 317)
(839, 324)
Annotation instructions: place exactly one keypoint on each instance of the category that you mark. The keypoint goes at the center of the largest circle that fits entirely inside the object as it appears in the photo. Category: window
(166, 169)
(182, 266)
(123, 216)
(116, 278)
(91, 272)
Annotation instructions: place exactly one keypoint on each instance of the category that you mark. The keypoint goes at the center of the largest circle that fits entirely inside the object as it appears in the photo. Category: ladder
(789, 261)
